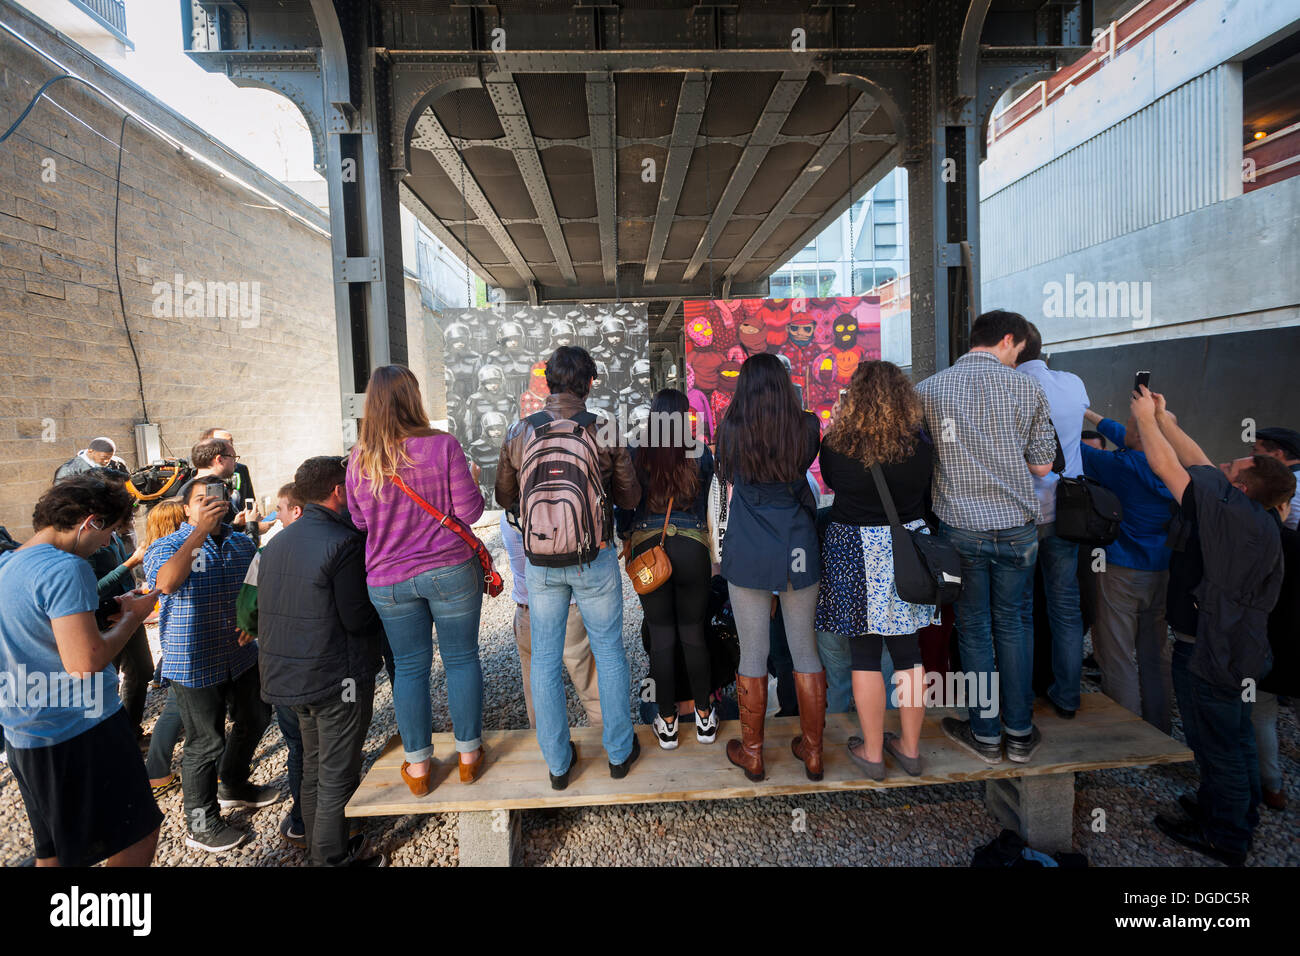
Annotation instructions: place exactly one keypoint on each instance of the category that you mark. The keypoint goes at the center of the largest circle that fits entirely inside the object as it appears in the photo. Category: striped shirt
(987, 421)
(196, 623)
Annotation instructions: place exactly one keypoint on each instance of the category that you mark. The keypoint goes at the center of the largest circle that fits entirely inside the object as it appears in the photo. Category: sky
(261, 125)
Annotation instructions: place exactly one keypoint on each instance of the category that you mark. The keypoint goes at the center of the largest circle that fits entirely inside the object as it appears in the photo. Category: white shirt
(1067, 398)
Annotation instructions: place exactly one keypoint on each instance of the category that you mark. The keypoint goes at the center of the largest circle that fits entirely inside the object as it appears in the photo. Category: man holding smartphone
(213, 456)
(199, 569)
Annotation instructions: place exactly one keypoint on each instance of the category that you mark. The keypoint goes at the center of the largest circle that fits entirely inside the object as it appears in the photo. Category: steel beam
(836, 141)
(509, 105)
(691, 100)
(604, 164)
(774, 116)
(669, 312)
(432, 136)
(630, 290)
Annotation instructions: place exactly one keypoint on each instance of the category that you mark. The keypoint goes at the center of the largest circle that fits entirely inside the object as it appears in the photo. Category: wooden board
(1102, 735)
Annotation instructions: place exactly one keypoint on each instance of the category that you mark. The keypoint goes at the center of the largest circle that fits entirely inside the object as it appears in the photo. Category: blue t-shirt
(1148, 505)
(41, 704)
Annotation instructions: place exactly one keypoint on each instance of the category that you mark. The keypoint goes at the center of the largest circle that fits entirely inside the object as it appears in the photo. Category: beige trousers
(577, 661)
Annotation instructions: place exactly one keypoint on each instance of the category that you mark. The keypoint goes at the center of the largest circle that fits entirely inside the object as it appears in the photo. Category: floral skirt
(858, 595)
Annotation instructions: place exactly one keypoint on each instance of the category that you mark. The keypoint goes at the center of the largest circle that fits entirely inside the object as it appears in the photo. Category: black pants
(675, 614)
(203, 712)
(136, 666)
(333, 735)
(866, 651)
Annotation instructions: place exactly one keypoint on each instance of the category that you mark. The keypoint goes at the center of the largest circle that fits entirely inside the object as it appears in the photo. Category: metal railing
(1138, 23)
(111, 13)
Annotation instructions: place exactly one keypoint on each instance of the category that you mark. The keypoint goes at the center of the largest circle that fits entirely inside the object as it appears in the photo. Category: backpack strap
(538, 419)
(585, 418)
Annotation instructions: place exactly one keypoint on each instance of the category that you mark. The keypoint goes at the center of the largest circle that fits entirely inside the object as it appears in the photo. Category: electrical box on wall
(148, 444)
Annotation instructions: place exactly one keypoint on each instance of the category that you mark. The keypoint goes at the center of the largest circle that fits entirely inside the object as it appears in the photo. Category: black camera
(107, 606)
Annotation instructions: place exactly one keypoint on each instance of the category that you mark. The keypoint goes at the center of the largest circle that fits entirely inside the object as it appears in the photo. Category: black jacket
(1240, 581)
(316, 626)
(1284, 624)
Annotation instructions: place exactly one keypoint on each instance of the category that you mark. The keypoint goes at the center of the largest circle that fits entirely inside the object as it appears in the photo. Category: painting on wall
(495, 360)
(821, 340)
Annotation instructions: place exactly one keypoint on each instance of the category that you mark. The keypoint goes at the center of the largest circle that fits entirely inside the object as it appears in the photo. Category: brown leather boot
(811, 691)
(747, 753)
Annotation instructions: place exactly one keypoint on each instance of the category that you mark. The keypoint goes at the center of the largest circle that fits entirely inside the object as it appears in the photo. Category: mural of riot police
(615, 353)
(638, 333)
(461, 359)
(485, 452)
(588, 332)
(535, 333)
(490, 397)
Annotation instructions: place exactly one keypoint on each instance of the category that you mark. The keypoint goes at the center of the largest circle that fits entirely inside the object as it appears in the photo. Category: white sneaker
(706, 728)
(667, 735)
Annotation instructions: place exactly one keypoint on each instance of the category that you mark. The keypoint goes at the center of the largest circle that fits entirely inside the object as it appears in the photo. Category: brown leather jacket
(615, 462)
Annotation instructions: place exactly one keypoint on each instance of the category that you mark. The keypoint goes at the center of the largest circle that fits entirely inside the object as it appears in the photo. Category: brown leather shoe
(1274, 799)
(747, 753)
(811, 691)
(419, 785)
(469, 771)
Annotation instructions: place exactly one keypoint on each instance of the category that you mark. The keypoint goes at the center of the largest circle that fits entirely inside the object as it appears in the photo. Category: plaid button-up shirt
(196, 623)
(987, 421)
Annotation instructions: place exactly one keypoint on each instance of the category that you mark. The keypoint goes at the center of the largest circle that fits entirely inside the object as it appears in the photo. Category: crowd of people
(372, 567)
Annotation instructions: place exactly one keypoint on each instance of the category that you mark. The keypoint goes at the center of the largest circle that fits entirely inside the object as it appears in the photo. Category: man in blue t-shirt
(70, 744)
(1129, 636)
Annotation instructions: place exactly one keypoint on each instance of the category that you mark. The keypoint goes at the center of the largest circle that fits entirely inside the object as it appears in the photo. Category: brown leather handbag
(651, 568)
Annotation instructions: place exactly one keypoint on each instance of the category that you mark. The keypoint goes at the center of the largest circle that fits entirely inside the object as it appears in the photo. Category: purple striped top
(402, 539)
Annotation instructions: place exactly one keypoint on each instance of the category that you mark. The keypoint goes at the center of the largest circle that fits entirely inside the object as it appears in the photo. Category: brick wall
(66, 368)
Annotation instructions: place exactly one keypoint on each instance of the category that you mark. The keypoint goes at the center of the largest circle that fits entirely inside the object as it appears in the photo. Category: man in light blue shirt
(1058, 559)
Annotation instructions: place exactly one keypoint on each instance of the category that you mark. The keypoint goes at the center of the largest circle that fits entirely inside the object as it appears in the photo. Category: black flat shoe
(619, 771)
(1191, 835)
(562, 781)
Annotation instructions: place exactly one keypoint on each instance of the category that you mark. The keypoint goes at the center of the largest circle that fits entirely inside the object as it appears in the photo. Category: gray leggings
(753, 611)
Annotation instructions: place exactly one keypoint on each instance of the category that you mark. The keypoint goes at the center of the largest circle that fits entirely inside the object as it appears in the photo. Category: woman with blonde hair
(877, 425)
(163, 519)
(420, 575)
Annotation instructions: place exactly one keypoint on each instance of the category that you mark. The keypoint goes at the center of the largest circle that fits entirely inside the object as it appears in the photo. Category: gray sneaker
(249, 796)
(1020, 749)
(959, 732)
(216, 839)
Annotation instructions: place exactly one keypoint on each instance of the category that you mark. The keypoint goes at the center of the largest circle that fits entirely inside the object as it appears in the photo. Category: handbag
(926, 569)
(492, 585)
(1087, 512)
(651, 568)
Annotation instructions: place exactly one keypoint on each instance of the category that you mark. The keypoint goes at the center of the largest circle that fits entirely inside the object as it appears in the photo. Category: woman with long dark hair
(419, 574)
(877, 422)
(674, 502)
(766, 444)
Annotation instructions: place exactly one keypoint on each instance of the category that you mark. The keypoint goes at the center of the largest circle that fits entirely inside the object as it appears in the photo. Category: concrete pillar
(488, 837)
(1039, 808)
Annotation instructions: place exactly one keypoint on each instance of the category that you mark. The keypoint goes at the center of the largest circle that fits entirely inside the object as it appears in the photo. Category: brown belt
(695, 534)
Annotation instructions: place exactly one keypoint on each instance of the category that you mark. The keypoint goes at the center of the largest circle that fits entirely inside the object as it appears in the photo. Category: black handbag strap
(886, 498)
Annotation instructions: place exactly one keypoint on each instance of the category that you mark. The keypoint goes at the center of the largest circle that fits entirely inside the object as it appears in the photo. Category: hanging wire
(613, 178)
(464, 203)
(848, 149)
(708, 202)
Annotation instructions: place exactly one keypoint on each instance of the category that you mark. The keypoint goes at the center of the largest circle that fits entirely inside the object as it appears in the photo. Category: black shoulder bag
(926, 570)
(1087, 512)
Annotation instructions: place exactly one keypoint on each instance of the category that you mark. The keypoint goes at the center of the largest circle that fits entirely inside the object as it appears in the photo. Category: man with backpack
(557, 472)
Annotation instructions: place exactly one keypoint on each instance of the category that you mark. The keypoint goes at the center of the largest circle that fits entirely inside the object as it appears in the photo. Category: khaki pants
(1131, 643)
(577, 661)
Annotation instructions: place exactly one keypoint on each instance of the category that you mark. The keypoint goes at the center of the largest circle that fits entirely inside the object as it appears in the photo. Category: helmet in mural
(638, 416)
(614, 330)
(493, 425)
(563, 332)
(641, 368)
(457, 336)
(511, 335)
(489, 376)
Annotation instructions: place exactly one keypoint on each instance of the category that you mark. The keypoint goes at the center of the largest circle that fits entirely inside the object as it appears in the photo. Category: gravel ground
(925, 826)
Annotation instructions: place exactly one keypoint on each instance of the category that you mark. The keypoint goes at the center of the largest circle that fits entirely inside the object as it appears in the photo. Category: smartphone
(1142, 378)
(249, 505)
(217, 489)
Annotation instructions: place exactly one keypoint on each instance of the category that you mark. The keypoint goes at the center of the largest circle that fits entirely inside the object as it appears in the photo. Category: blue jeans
(598, 589)
(1217, 724)
(288, 721)
(833, 649)
(450, 598)
(997, 597)
(1059, 560)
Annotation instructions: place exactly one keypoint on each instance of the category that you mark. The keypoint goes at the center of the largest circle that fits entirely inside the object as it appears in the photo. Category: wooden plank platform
(1102, 735)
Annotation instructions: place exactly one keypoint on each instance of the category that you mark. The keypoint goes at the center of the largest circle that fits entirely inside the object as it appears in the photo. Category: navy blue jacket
(772, 529)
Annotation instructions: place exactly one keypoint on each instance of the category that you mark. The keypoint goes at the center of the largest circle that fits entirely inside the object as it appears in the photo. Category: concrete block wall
(66, 369)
